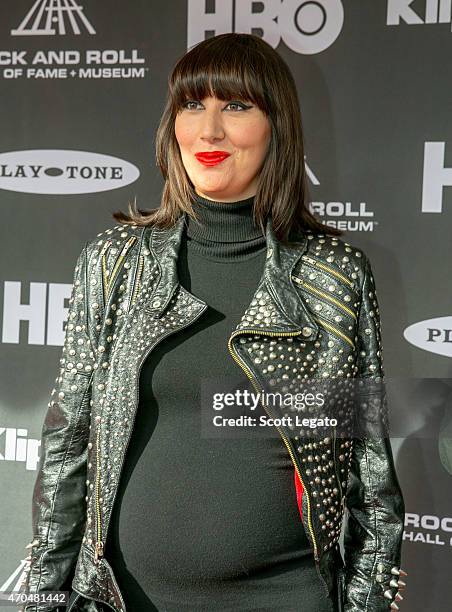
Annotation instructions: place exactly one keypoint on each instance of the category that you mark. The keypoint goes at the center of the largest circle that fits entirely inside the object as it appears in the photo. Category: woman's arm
(374, 528)
(58, 503)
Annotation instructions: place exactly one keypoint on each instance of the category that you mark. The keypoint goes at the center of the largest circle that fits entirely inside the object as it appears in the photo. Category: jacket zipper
(104, 275)
(107, 283)
(99, 546)
(328, 297)
(137, 281)
(253, 380)
(319, 264)
(335, 330)
(108, 279)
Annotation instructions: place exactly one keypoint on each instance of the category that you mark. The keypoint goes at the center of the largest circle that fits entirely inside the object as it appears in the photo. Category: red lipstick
(211, 158)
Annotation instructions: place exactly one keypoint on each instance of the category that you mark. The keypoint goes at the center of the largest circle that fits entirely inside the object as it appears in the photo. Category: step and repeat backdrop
(83, 87)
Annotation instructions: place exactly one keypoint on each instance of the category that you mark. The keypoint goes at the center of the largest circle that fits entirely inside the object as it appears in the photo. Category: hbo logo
(306, 26)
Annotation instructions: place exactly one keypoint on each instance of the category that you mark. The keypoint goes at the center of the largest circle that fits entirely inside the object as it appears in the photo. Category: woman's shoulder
(114, 239)
(112, 258)
(111, 270)
(333, 257)
(328, 245)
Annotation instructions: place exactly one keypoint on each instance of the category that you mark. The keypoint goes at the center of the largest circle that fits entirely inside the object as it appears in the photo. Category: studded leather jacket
(314, 314)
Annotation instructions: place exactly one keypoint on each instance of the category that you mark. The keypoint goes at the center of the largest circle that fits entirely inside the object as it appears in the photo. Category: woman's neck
(224, 230)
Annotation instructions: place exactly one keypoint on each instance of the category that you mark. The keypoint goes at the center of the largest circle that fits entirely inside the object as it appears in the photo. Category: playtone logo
(50, 17)
(305, 26)
(433, 335)
(17, 447)
(59, 171)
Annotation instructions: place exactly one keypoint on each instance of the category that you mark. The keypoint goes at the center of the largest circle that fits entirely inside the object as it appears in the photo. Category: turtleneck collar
(224, 230)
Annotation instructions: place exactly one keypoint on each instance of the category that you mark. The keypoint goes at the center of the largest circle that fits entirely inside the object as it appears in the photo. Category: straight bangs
(225, 71)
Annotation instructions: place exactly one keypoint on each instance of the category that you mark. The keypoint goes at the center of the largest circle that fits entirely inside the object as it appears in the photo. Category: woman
(134, 507)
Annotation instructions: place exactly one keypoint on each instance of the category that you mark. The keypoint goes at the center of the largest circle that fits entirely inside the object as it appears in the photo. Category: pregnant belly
(225, 510)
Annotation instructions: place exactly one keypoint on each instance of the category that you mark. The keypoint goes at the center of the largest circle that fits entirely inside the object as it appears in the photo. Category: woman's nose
(212, 125)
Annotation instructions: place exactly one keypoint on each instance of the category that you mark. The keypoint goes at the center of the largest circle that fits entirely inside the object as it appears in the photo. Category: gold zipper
(108, 279)
(328, 297)
(99, 548)
(335, 330)
(104, 279)
(252, 379)
(107, 283)
(137, 280)
(332, 271)
(104, 275)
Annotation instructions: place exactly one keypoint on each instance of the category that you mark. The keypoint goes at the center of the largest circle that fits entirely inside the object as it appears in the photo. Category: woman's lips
(211, 158)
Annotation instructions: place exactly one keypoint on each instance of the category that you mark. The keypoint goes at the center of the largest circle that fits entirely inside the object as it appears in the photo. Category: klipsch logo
(425, 12)
(51, 17)
(434, 335)
(305, 26)
(59, 171)
(15, 445)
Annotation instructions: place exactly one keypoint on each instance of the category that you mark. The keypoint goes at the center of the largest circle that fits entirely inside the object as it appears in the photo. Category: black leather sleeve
(58, 502)
(374, 526)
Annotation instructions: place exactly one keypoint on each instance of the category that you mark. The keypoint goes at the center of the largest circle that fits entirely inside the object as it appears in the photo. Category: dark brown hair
(230, 66)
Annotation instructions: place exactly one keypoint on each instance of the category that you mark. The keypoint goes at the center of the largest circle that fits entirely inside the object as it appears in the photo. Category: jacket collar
(279, 264)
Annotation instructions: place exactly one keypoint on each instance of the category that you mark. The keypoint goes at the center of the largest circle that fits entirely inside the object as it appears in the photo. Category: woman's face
(235, 127)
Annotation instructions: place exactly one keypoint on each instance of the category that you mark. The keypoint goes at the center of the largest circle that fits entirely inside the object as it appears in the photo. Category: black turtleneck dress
(199, 523)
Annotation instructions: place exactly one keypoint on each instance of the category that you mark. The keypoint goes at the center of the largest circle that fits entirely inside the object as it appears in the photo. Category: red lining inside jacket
(299, 490)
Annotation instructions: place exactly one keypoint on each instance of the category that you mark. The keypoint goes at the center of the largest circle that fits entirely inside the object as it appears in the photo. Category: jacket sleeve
(374, 527)
(58, 502)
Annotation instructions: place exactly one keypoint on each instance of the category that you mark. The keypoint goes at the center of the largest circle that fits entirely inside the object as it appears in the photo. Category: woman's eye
(239, 105)
(186, 104)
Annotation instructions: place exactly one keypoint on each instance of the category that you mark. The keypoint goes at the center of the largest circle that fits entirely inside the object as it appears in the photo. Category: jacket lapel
(284, 308)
